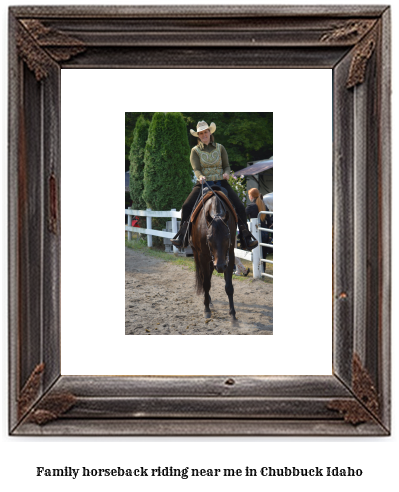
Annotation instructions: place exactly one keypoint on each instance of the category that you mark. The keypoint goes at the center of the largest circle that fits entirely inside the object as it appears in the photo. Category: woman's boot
(178, 240)
(248, 242)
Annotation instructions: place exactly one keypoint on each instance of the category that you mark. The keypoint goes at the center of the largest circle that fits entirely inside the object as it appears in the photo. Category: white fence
(252, 256)
(264, 244)
(149, 231)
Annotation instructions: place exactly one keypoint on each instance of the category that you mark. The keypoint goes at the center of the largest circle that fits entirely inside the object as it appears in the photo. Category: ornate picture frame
(354, 42)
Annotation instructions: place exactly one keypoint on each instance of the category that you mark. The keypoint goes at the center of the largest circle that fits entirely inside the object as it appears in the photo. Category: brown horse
(213, 240)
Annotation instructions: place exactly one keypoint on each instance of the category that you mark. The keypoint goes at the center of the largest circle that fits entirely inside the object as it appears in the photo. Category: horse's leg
(207, 298)
(228, 275)
(212, 267)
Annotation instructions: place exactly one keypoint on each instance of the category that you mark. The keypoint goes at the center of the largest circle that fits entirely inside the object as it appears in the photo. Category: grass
(140, 244)
(156, 252)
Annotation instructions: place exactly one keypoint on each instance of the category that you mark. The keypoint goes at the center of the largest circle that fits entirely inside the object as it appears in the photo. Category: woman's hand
(202, 179)
(225, 176)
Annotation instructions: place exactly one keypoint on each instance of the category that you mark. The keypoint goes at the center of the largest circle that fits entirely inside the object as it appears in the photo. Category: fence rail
(149, 230)
(264, 244)
(253, 256)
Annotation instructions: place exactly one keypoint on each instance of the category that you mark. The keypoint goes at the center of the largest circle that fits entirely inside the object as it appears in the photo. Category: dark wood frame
(353, 41)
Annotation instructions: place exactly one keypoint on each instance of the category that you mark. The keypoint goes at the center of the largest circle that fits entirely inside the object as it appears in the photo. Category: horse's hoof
(207, 315)
(233, 318)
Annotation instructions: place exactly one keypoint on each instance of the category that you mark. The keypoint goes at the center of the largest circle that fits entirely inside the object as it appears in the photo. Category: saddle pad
(206, 197)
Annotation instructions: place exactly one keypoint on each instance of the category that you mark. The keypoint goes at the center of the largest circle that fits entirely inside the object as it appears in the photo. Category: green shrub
(136, 157)
(167, 170)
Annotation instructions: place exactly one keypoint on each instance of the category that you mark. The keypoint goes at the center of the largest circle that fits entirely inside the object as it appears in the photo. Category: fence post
(256, 252)
(149, 226)
(174, 229)
(129, 223)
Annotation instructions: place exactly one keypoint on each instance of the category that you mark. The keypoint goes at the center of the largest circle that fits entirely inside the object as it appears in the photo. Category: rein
(215, 217)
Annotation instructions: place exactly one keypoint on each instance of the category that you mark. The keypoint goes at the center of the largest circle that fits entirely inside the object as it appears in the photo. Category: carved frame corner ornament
(38, 45)
(50, 407)
(348, 31)
(361, 56)
(30, 391)
(366, 406)
(354, 43)
(364, 33)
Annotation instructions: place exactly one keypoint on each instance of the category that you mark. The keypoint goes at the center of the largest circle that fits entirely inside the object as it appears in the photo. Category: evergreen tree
(136, 158)
(130, 124)
(167, 170)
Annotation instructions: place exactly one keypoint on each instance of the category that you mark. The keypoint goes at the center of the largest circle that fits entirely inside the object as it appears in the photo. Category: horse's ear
(208, 216)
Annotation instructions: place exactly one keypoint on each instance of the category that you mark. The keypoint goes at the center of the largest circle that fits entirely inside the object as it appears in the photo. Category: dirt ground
(160, 299)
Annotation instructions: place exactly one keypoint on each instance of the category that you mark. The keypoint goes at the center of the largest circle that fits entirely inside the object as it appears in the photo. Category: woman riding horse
(211, 164)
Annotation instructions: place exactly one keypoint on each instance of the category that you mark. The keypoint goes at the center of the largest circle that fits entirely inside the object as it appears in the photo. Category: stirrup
(249, 246)
(178, 240)
(249, 242)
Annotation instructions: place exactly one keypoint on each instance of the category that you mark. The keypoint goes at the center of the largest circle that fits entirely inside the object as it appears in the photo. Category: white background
(92, 260)
(377, 457)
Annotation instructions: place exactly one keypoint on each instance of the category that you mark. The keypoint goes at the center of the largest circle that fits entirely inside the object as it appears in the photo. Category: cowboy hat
(201, 126)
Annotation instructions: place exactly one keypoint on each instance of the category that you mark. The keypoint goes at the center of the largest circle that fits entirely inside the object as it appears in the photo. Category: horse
(212, 240)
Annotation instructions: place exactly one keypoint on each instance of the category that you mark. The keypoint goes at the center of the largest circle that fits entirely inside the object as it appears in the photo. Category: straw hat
(201, 126)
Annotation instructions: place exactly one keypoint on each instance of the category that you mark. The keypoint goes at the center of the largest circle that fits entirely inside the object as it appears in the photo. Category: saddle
(214, 187)
(207, 194)
(206, 197)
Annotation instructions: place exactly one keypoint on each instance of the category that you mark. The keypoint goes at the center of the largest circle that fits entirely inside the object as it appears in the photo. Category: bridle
(215, 217)
(218, 217)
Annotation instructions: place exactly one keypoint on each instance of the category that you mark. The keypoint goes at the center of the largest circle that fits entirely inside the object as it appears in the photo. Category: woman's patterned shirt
(211, 161)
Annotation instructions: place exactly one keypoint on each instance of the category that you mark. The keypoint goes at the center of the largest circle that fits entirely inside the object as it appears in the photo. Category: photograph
(79, 290)
(211, 215)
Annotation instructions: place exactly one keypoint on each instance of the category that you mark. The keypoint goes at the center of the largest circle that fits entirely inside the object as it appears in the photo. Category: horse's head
(219, 239)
